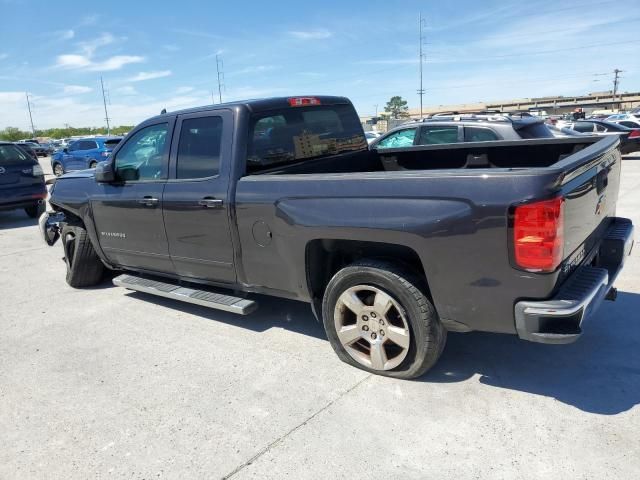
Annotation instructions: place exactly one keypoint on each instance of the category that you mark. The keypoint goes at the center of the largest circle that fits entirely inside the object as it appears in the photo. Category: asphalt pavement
(102, 382)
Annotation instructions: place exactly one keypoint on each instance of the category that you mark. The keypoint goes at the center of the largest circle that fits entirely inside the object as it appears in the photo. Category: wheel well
(325, 257)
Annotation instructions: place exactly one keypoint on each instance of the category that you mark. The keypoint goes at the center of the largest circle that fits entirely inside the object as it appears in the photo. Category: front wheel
(93, 164)
(84, 268)
(58, 169)
(378, 318)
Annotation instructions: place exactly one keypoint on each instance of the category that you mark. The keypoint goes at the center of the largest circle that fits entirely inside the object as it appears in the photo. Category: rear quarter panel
(456, 223)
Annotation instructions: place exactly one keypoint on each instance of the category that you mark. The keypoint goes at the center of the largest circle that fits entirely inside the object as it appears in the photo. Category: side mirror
(105, 172)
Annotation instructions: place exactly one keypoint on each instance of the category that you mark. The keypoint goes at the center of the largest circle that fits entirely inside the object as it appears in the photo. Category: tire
(410, 312)
(35, 210)
(84, 268)
(93, 164)
(58, 169)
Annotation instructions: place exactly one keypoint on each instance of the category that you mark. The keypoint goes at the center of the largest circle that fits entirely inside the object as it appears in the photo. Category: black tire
(34, 211)
(58, 169)
(428, 336)
(84, 268)
(93, 164)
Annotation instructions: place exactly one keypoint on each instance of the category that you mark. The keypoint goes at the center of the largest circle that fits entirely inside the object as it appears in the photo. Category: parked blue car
(82, 154)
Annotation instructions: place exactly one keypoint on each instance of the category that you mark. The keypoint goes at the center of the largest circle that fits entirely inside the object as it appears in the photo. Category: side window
(600, 128)
(402, 138)
(199, 148)
(584, 127)
(73, 147)
(434, 135)
(143, 157)
(478, 134)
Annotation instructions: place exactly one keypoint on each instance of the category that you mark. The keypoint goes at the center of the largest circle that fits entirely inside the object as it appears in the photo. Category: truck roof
(260, 104)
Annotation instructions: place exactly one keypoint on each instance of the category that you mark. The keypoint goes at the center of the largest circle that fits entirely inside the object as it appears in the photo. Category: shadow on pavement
(272, 313)
(600, 373)
(15, 219)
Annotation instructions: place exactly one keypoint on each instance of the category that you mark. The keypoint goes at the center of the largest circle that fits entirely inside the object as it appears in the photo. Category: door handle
(210, 202)
(148, 201)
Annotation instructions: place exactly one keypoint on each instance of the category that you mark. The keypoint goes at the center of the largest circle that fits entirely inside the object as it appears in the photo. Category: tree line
(13, 134)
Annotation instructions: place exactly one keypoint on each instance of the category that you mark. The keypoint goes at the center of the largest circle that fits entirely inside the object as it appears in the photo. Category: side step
(241, 306)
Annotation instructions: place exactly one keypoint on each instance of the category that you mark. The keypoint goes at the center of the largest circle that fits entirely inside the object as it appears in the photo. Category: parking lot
(108, 383)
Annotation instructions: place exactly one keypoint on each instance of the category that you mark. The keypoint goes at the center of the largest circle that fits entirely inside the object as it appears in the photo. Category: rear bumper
(559, 319)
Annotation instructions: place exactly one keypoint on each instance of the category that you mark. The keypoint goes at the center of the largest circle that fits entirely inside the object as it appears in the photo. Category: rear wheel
(93, 164)
(34, 211)
(378, 318)
(84, 268)
(57, 169)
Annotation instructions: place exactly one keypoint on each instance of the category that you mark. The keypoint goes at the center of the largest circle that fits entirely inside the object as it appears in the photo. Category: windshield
(289, 135)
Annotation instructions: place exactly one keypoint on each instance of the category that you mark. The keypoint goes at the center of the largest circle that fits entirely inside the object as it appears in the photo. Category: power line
(30, 116)
(104, 101)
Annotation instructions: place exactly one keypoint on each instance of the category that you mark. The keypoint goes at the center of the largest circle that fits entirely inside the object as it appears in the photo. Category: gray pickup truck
(391, 247)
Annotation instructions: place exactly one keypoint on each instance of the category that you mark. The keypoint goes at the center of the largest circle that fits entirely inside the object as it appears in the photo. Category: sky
(163, 55)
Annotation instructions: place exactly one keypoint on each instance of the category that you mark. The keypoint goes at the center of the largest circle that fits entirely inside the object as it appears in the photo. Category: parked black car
(391, 247)
(40, 150)
(21, 181)
(26, 147)
(629, 137)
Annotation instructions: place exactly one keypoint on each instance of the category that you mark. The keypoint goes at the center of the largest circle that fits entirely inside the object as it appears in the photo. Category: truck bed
(534, 153)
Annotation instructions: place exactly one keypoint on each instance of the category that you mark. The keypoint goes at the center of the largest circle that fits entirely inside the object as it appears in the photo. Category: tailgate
(590, 189)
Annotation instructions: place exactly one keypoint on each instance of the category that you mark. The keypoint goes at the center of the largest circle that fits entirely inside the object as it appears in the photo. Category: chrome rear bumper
(559, 319)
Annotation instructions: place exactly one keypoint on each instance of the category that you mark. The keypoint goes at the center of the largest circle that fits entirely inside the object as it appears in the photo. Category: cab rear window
(12, 155)
(285, 136)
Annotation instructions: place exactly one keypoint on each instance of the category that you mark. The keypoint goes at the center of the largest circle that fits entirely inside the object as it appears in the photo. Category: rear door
(69, 157)
(195, 200)
(84, 154)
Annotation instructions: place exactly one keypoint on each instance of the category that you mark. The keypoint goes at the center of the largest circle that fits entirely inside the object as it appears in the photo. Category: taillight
(37, 171)
(303, 101)
(635, 133)
(538, 235)
(104, 154)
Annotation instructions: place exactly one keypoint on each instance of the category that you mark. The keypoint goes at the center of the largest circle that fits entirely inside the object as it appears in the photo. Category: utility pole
(33, 130)
(616, 82)
(104, 101)
(220, 70)
(213, 101)
(420, 60)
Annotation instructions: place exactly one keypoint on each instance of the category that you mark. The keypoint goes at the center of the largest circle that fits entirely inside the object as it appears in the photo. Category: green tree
(397, 107)
(13, 134)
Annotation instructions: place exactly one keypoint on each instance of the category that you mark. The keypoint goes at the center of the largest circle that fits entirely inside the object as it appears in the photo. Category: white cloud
(73, 61)
(75, 89)
(115, 63)
(141, 76)
(127, 90)
(90, 47)
(65, 34)
(319, 34)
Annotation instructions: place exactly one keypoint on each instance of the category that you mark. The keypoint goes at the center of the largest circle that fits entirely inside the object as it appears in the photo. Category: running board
(241, 306)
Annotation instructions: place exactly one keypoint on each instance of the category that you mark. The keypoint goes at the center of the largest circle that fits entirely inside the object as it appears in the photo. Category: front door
(128, 212)
(196, 209)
